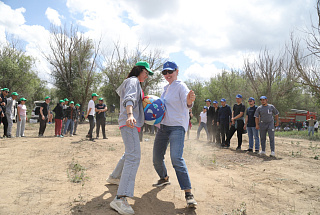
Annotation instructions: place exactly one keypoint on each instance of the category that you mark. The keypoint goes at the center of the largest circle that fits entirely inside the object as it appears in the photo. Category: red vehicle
(297, 115)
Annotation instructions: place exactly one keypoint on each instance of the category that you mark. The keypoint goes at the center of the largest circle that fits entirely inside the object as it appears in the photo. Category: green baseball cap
(66, 100)
(72, 102)
(94, 94)
(101, 99)
(48, 97)
(146, 65)
(5, 89)
(77, 105)
(61, 101)
(14, 94)
(23, 99)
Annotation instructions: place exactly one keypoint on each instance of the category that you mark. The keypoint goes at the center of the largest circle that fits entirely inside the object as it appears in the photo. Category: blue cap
(251, 98)
(169, 65)
(222, 100)
(208, 100)
(204, 107)
(263, 97)
(215, 102)
(239, 96)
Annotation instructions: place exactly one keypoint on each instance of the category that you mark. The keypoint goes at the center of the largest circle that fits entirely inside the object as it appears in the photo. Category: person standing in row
(224, 117)
(203, 123)
(11, 101)
(65, 106)
(43, 118)
(101, 109)
(90, 115)
(22, 118)
(4, 120)
(71, 114)
(209, 120)
(237, 121)
(59, 116)
(311, 123)
(131, 119)
(250, 125)
(215, 127)
(265, 113)
(178, 100)
(77, 119)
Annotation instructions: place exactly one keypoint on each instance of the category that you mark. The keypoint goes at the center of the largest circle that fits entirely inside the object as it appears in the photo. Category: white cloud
(201, 72)
(53, 16)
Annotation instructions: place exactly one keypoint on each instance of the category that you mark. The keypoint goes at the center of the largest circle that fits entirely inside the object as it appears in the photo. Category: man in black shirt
(215, 127)
(224, 117)
(4, 120)
(101, 109)
(43, 117)
(209, 119)
(250, 125)
(237, 121)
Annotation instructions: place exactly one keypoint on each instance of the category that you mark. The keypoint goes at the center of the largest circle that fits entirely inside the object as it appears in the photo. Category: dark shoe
(162, 182)
(256, 151)
(105, 137)
(191, 202)
(238, 148)
(87, 136)
(9, 136)
(74, 134)
(249, 150)
(91, 139)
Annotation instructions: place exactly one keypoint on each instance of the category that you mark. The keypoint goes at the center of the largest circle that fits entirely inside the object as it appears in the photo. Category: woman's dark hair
(135, 71)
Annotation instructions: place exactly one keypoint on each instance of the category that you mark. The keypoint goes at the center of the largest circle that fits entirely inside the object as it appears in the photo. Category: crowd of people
(220, 123)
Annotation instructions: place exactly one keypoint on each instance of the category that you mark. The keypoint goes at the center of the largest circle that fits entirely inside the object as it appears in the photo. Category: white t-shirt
(92, 106)
(203, 117)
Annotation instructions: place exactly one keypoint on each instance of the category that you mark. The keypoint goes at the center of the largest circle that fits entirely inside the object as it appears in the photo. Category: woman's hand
(131, 121)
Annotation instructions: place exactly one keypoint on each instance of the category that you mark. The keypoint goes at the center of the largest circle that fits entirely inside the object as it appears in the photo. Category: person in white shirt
(203, 122)
(178, 100)
(90, 115)
(22, 117)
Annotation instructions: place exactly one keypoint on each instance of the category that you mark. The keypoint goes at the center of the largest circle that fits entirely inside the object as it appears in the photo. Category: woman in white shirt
(22, 117)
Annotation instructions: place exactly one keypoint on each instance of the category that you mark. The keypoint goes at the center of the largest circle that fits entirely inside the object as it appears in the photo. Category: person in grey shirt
(264, 114)
(10, 103)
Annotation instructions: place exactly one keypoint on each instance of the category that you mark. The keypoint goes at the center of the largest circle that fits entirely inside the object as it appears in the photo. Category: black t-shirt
(45, 109)
(250, 114)
(102, 114)
(237, 109)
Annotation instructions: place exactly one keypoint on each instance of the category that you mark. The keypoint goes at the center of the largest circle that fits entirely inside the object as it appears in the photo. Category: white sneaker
(191, 202)
(272, 154)
(111, 180)
(122, 206)
(262, 153)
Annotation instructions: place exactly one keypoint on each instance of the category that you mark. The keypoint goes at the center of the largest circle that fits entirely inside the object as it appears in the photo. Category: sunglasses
(164, 72)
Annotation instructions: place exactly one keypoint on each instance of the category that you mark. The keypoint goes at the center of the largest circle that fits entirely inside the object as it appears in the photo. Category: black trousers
(224, 130)
(43, 125)
(92, 124)
(216, 133)
(5, 125)
(239, 130)
(101, 122)
(210, 130)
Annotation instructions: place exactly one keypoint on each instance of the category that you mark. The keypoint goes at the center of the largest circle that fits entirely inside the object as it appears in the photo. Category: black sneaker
(91, 139)
(256, 151)
(105, 137)
(238, 148)
(191, 202)
(162, 182)
(249, 150)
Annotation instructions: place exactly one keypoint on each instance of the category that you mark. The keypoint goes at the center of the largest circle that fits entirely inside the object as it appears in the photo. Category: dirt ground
(36, 176)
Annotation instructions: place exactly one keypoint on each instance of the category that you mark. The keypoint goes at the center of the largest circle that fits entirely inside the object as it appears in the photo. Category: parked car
(37, 105)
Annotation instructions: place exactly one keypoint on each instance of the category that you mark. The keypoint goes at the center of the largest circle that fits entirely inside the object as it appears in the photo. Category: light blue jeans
(253, 133)
(175, 136)
(69, 122)
(202, 125)
(310, 128)
(128, 164)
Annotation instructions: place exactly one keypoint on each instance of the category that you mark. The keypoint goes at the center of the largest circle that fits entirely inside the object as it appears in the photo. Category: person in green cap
(11, 101)
(59, 116)
(90, 115)
(71, 115)
(4, 93)
(65, 106)
(22, 117)
(101, 109)
(131, 119)
(77, 119)
(43, 117)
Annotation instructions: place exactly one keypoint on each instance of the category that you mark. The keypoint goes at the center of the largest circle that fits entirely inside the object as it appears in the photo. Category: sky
(203, 37)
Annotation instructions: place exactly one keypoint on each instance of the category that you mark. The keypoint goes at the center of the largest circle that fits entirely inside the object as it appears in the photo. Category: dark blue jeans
(175, 136)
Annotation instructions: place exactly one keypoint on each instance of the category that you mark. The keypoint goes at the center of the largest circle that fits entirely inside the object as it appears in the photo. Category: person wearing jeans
(90, 115)
(203, 123)
(131, 119)
(71, 116)
(311, 122)
(22, 118)
(178, 100)
(250, 125)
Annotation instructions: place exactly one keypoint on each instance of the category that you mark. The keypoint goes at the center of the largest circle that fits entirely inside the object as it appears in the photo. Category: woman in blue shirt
(178, 100)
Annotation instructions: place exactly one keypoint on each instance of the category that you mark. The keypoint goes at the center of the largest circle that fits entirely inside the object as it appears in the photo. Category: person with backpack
(59, 116)
(250, 125)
